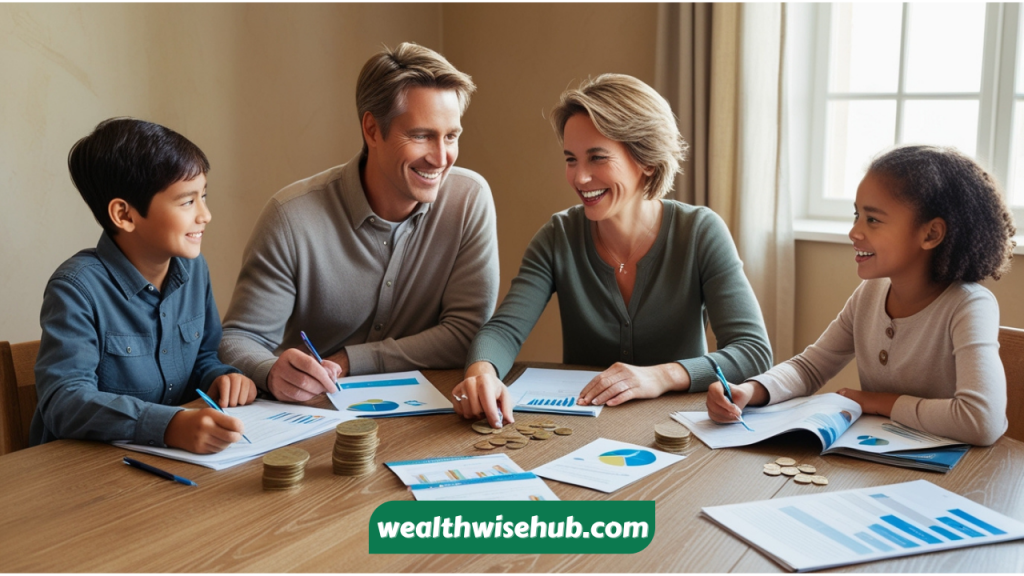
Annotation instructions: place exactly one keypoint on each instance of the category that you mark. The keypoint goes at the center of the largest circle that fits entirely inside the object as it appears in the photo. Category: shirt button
(385, 242)
(389, 283)
(627, 322)
(626, 352)
(378, 326)
(128, 349)
(197, 334)
(883, 357)
(150, 288)
(164, 351)
(889, 332)
(373, 220)
(163, 315)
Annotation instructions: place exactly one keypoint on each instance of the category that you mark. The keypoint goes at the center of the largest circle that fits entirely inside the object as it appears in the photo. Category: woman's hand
(483, 394)
(721, 410)
(624, 382)
(880, 403)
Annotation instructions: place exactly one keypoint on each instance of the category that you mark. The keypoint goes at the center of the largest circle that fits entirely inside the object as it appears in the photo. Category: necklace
(623, 262)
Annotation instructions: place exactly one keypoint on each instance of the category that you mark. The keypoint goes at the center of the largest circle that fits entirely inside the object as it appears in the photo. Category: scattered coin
(772, 469)
(785, 461)
(482, 427)
(515, 445)
(819, 480)
(790, 470)
(807, 469)
(563, 431)
(484, 445)
(802, 479)
(498, 441)
(541, 435)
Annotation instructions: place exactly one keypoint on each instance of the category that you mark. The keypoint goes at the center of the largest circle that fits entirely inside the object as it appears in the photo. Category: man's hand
(624, 382)
(233, 390)
(297, 377)
(203, 431)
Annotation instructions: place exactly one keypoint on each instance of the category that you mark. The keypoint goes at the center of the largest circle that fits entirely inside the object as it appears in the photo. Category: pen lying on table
(154, 470)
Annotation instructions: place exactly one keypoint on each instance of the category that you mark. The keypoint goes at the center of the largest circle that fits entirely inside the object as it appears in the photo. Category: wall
(266, 90)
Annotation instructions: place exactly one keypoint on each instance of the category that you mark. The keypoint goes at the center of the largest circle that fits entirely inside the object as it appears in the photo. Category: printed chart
(627, 457)
(606, 465)
(552, 391)
(825, 530)
(487, 477)
(533, 400)
(374, 405)
(386, 395)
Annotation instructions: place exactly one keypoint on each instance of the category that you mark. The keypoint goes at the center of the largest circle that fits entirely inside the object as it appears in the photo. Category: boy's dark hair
(132, 160)
(945, 183)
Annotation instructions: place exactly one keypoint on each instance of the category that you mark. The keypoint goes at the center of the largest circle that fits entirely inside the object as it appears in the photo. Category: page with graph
(552, 391)
(879, 435)
(486, 477)
(390, 394)
(819, 531)
(607, 465)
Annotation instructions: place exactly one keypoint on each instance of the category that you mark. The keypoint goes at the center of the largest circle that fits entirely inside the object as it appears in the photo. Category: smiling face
(175, 221)
(409, 165)
(888, 241)
(601, 171)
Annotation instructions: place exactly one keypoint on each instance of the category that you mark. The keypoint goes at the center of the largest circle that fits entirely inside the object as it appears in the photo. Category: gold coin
(357, 427)
(541, 435)
(484, 445)
(785, 461)
(789, 470)
(802, 479)
(482, 427)
(772, 469)
(563, 431)
(807, 469)
(499, 441)
(671, 431)
(819, 480)
(286, 457)
(515, 445)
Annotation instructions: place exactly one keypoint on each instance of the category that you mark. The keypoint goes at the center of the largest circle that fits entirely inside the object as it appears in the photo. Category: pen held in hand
(312, 350)
(209, 402)
(728, 390)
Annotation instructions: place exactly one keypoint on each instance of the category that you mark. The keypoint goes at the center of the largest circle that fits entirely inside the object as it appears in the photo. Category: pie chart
(872, 441)
(627, 457)
(373, 406)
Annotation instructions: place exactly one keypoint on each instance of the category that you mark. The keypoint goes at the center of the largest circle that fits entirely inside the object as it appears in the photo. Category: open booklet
(838, 422)
(269, 425)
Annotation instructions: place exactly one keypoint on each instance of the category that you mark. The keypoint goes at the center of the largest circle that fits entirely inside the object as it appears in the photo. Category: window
(884, 74)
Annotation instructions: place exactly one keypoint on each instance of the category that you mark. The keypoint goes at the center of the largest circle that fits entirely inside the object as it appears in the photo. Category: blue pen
(209, 401)
(315, 354)
(725, 384)
(154, 470)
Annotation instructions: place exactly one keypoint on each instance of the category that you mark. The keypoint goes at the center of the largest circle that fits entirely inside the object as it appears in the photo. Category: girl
(929, 224)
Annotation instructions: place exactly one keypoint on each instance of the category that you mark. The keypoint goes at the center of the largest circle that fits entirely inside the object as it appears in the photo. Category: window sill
(839, 233)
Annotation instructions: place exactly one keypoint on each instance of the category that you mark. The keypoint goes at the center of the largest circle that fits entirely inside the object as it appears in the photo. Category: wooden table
(73, 506)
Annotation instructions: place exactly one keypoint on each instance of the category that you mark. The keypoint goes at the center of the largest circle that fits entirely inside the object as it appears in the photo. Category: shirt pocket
(191, 339)
(128, 366)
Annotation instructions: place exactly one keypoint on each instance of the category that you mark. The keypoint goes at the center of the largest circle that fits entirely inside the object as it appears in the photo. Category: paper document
(487, 477)
(386, 395)
(839, 424)
(552, 391)
(607, 465)
(270, 425)
(820, 531)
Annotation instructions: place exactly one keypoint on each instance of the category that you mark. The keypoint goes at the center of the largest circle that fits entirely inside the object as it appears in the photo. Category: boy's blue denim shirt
(118, 355)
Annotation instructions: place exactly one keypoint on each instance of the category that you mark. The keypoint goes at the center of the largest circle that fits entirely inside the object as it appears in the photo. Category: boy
(130, 328)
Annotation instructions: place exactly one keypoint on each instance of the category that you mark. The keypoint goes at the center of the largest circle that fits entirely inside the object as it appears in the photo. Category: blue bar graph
(946, 533)
(380, 383)
(567, 401)
(977, 522)
(892, 536)
(910, 529)
(826, 530)
(873, 541)
(954, 524)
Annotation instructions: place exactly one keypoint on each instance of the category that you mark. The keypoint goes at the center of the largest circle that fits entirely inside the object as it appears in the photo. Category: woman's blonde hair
(629, 111)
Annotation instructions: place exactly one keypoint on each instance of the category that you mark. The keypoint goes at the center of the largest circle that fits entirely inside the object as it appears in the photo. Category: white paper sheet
(824, 530)
(270, 425)
(607, 465)
(386, 395)
(552, 391)
(486, 477)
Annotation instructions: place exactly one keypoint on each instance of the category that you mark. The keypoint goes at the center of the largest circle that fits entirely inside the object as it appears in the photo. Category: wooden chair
(17, 393)
(1011, 351)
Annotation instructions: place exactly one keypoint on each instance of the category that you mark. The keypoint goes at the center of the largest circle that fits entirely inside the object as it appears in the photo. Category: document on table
(487, 477)
(820, 531)
(552, 391)
(270, 425)
(386, 395)
(607, 465)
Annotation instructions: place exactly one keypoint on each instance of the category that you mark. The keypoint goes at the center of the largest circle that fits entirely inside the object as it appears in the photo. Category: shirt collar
(127, 276)
(354, 197)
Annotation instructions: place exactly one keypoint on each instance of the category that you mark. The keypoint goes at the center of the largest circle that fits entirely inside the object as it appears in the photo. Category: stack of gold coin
(284, 468)
(355, 447)
(671, 437)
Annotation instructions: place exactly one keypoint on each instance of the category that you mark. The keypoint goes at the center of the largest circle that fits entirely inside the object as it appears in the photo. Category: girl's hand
(624, 382)
(879, 403)
(751, 393)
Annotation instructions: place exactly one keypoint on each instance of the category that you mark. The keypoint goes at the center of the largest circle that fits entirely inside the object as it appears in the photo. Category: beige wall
(267, 91)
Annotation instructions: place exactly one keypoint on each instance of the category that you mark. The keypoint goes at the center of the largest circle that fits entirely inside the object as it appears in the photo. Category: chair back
(1011, 351)
(17, 393)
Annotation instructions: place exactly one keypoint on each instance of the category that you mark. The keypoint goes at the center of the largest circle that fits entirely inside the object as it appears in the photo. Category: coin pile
(284, 468)
(518, 439)
(355, 447)
(671, 437)
(801, 474)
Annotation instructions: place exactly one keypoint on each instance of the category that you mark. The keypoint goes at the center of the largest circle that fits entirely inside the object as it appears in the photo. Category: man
(388, 262)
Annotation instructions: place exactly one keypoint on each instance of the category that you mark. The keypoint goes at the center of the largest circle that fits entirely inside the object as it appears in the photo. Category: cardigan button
(883, 357)
(889, 332)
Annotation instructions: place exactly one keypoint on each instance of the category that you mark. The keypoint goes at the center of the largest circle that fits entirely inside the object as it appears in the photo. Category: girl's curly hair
(945, 183)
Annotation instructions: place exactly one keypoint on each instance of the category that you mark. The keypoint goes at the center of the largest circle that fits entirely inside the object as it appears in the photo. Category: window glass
(865, 38)
(1016, 183)
(945, 43)
(857, 131)
(942, 123)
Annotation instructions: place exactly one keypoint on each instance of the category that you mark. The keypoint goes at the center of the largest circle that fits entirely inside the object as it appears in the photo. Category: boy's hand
(203, 431)
(233, 390)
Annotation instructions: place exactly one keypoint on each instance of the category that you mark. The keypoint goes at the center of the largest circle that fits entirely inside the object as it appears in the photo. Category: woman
(634, 273)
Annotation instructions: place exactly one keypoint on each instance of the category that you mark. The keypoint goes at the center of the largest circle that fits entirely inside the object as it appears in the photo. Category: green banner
(503, 527)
